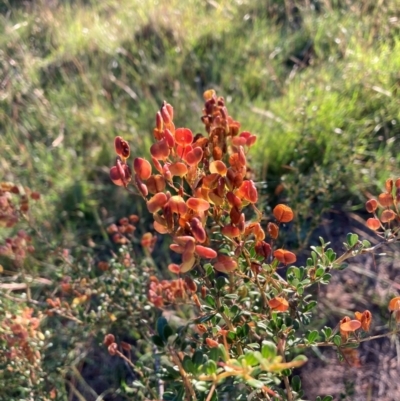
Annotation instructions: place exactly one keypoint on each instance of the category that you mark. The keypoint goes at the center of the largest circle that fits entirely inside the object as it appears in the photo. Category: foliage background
(317, 81)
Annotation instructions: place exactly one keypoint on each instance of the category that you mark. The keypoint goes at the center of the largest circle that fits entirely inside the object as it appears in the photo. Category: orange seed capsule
(283, 213)
(371, 205)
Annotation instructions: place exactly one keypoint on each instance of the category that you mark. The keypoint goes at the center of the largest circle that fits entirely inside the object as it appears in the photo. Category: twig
(211, 392)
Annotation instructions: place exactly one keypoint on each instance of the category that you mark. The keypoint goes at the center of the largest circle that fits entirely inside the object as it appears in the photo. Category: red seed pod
(256, 267)
(178, 169)
(258, 232)
(167, 173)
(397, 183)
(108, 339)
(156, 183)
(160, 150)
(239, 141)
(283, 213)
(397, 194)
(173, 268)
(273, 230)
(373, 224)
(159, 121)
(203, 291)
(241, 225)
(230, 231)
(220, 190)
(35, 195)
(197, 204)
(113, 349)
(177, 248)
(371, 205)
(217, 153)
(188, 261)
(233, 200)
(169, 138)
(183, 240)
(278, 304)
(157, 202)
(142, 168)
(386, 200)
(241, 156)
(165, 114)
(177, 205)
(141, 186)
(387, 216)
(121, 147)
(235, 215)
(157, 165)
(116, 177)
(218, 167)
(190, 284)
(205, 252)
(189, 247)
(198, 230)
(210, 181)
(251, 140)
(170, 110)
(285, 257)
(215, 198)
(160, 228)
(212, 343)
(225, 264)
(194, 157)
(183, 151)
(183, 136)
(263, 249)
(389, 185)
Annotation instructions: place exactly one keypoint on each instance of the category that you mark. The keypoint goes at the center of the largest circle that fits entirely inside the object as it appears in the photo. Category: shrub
(246, 305)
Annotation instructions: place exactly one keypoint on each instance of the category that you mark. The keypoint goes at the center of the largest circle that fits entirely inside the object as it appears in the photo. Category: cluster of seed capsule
(388, 201)
(200, 188)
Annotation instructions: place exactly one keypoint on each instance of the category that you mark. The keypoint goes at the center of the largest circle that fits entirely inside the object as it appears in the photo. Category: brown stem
(211, 392)
(229, 324)
(331, 344)
(190, 394)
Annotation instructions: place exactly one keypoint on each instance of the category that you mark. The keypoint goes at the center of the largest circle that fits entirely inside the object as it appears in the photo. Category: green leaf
(327, 398)
(255, 383)
(161, 323)
(366, 244)
(337, 340)
(197, 358)
(157, 340)
(220, 282)
(214, 354)
(167, 332)
(296, 383)
(312, 336)
(210, 367)
(352, 239)
(201, 386)
(208, 268)
(250, 359)
(188, 364)
(205, 318)
(319, 272)
(327, 332)
(326, 278)
(268, 349)
(330, 255)
(209, 300)
(310, 305)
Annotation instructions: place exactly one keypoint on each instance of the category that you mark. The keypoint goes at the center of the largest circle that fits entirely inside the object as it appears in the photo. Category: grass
(318, 83)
